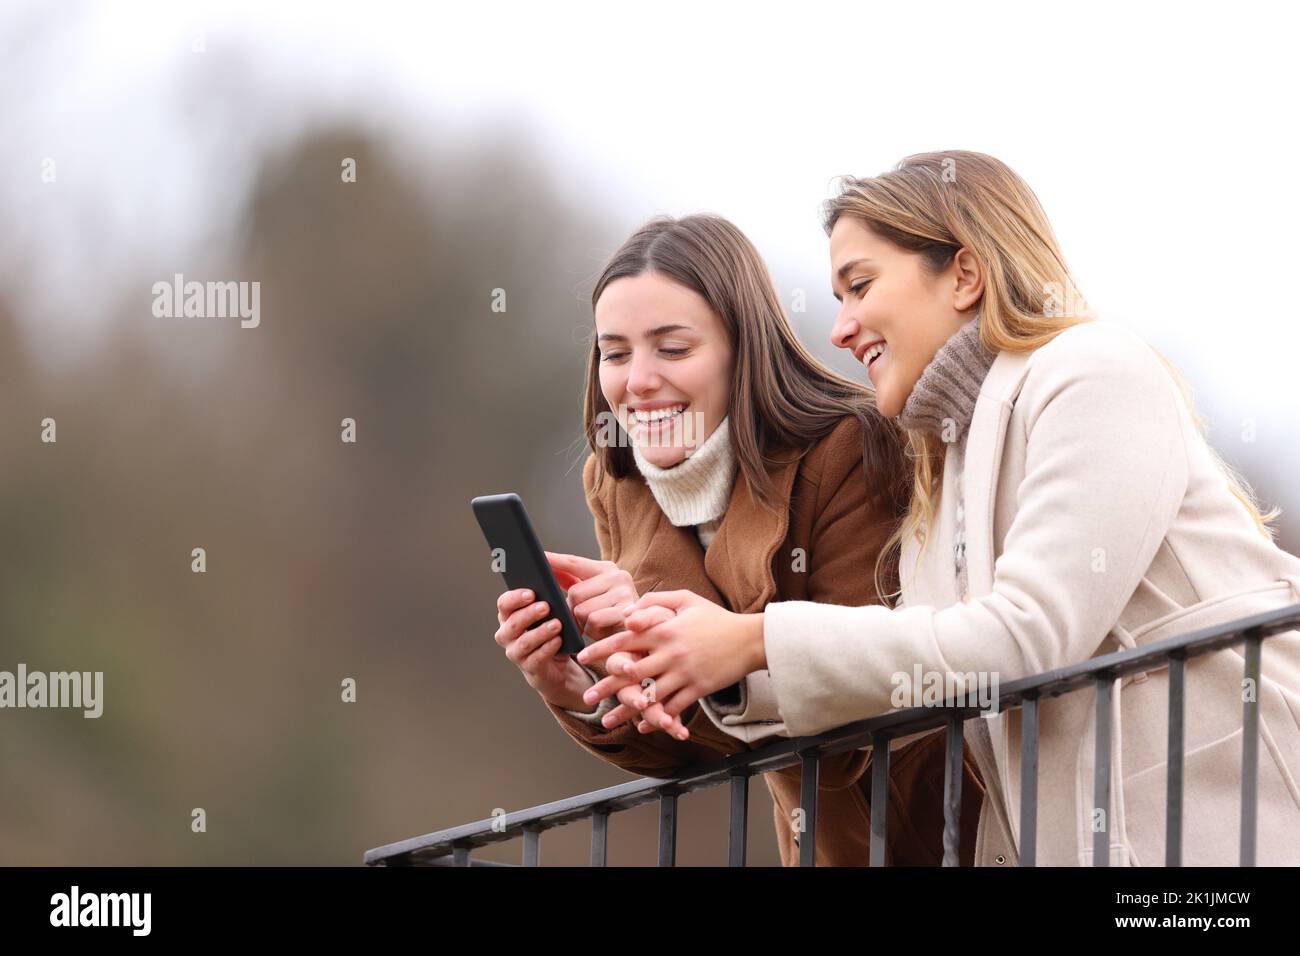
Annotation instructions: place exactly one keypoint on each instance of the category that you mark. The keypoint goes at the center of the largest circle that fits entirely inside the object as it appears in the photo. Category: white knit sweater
(696, 490)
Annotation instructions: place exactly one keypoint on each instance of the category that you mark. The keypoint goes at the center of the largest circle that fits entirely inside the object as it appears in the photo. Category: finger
(657, 665)
(655, 718)
(673, 600)
(529, 641)
(603, 620)
(617, 662)
(565, 580)
(652, 692)
(651, 714)
(607, 687)
(580, 567)
(511, 601)
(635, 696)
(622, 641)
(677, 703)
(620, 714)
(677, 729)
(520, 621)
(618, 680)
(604, 591)
(543, 655)
(647, 618)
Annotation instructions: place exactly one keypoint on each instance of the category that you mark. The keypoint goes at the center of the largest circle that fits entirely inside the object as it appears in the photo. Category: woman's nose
(844, 331)
(642, 377)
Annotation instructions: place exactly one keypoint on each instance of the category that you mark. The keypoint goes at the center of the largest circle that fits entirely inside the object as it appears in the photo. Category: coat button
(999, 859)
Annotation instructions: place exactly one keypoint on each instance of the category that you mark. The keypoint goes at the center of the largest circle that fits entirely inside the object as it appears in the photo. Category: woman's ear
(969, 280)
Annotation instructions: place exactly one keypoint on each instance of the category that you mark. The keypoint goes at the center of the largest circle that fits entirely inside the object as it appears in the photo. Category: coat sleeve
(850, 527)
(650, 755)
(1105, 472)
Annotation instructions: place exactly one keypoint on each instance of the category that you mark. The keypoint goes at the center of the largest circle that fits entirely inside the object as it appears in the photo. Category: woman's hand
(597, 592)
(635, 700)
(559, 680)
(693, 647)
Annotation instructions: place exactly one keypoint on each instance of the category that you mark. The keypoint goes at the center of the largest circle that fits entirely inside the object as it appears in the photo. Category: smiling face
(895, 313)
(664, 355)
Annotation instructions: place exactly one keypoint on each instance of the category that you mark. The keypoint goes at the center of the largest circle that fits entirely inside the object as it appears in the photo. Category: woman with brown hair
(727, 460)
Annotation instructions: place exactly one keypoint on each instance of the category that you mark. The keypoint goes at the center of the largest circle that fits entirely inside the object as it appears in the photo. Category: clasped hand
(676, 648)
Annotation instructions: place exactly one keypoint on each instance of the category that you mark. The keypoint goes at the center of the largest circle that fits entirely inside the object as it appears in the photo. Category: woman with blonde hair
(1065, 505)
(724, 458)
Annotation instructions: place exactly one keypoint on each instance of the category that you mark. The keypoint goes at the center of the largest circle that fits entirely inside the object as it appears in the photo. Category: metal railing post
(668, 828)
(879, 797)
(1250, 747)
(1029, 781)
(954, 751)
(738, 830)
(1101, 775)
(808, 779)
(1174, 762)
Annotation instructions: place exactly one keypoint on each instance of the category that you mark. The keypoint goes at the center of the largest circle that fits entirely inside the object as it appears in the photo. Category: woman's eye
(857, 289)
(616, 356)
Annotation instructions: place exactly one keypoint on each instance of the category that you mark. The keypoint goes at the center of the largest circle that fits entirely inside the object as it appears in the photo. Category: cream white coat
(1095, 520)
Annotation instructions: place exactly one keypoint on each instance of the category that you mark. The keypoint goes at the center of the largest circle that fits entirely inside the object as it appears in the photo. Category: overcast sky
(1159, 137)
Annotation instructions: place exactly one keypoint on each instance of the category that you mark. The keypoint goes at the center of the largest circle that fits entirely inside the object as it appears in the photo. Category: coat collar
(747, 540)
(738, 562)
(979, 457)
(983, 460)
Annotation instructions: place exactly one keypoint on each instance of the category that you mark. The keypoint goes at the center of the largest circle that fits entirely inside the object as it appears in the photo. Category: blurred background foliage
(325, 559)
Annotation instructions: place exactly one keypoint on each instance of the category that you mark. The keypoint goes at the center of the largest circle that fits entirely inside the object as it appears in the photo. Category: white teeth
(659, 414)
(871, 353)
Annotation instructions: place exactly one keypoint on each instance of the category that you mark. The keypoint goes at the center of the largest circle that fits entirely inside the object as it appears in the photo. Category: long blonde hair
(934, 204)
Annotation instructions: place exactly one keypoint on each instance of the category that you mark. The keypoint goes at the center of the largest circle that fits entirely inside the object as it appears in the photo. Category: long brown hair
(780, 396)
(935, 204)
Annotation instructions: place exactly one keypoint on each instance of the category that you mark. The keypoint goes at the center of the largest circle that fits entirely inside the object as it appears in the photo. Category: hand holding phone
(517, 555)
(557, 678)
(598, 591)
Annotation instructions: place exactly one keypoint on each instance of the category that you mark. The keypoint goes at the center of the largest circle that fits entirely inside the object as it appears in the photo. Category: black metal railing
(452, 847)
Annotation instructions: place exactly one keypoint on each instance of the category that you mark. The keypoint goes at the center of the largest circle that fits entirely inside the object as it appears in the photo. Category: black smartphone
(517, 554)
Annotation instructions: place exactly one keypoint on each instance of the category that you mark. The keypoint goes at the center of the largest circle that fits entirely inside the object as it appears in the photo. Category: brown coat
(840, 524)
